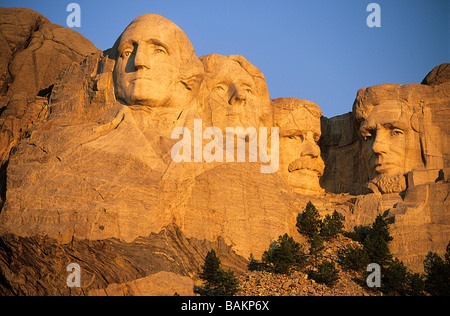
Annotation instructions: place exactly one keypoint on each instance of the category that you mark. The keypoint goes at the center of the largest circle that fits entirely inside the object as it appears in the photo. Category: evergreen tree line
(286, 255)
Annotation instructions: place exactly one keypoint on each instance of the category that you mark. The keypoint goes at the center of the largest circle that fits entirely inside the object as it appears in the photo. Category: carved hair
(293, 104)
(211, 62)
(368, 98)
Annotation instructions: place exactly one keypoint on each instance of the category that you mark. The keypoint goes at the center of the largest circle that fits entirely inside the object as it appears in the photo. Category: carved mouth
(307, 172)
(309, 165)
(141, 78)
(384, 167)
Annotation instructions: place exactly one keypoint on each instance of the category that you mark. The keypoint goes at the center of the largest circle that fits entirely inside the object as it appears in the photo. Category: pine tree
(380, 228)
(354, 258)
(211, 270)
(437, 278)
(309, 221)
(228, 285)
(217, 281)
(284, 255)
(255, 265)
(316, 246)
(326, 273)
(376, 242)
(395, 278)
(378, 250)
(331, 226)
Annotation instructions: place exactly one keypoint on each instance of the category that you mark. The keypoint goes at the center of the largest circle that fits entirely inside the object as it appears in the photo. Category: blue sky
(320, 50)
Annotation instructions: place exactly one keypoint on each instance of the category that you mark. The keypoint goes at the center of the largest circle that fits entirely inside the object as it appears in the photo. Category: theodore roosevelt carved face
(300, 161)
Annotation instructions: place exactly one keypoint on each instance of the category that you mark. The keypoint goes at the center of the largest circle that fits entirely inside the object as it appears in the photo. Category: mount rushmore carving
(90, 158)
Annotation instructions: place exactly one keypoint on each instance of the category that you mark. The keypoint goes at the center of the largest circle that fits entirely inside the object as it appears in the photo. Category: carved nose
(311, 149)
(237, 97)
(140, 59)
(380, 144)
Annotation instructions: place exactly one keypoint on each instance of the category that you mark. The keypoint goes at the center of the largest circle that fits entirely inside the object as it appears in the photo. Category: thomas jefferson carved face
(232, 97)
(300, 161)
(153, 59)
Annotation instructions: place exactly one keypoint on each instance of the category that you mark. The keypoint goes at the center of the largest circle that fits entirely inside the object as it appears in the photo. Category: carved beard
(390, 184)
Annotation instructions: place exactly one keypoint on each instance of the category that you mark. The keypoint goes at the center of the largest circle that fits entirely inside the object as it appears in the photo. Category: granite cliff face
(90, 173)
(33, 52)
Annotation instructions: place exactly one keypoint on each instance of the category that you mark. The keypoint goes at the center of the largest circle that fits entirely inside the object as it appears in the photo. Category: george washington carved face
(155, 64)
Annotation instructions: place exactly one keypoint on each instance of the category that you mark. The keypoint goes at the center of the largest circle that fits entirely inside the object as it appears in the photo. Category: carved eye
(296, 137)
(247, 88)
(366, 137)
(316, 137)
(126, 53)
(396, 132)
(219, 88)
(160, 50)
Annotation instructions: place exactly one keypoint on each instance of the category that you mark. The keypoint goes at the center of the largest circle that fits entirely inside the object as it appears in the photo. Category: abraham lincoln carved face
(390, 143)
